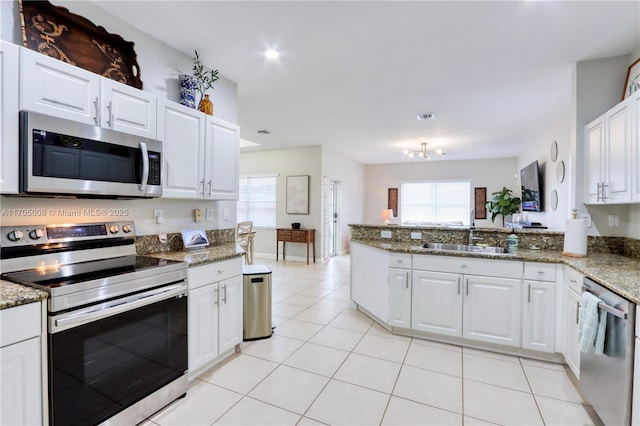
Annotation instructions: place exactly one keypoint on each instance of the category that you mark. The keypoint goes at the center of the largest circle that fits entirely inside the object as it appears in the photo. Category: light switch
(416, 235)
(225, 213)
(209, 215)
(158, 215)
(385, 234)
(614, 221)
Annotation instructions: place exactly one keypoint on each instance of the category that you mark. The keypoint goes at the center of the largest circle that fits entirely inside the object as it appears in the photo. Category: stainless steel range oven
(117, 322)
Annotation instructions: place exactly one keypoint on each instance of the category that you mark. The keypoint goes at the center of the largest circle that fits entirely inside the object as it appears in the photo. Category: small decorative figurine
(206, 106)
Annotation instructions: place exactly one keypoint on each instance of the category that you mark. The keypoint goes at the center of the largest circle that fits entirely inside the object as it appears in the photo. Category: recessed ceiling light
(427, 116)
(271, 54)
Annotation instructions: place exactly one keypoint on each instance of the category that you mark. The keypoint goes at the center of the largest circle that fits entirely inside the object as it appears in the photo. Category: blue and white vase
(188, 88)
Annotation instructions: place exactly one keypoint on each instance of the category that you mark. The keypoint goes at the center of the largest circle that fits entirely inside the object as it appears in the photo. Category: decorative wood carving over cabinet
(60, 34)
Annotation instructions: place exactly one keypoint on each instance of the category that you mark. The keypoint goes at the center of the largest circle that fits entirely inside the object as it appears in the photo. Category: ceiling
(352, 76)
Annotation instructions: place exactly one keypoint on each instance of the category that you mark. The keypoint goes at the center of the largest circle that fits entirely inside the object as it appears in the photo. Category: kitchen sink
(462, 247)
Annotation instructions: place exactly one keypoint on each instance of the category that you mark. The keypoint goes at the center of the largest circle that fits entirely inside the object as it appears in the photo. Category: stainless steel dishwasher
(606, 380)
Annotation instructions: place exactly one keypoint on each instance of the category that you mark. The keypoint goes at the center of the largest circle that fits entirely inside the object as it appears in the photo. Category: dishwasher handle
(608, 309)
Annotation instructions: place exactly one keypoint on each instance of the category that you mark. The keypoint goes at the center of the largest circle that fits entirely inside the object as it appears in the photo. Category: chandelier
(423, 153)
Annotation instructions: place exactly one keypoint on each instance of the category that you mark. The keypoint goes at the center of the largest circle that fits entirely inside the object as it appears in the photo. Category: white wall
(351, 176)
(160, 66)
(490, 173)
(541, 151)
(288, 162)
(598, 87)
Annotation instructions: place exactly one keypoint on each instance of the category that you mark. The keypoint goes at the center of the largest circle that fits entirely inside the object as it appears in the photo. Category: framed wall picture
(298, 194)
(480, 203)
(632, 82)
(392, 201)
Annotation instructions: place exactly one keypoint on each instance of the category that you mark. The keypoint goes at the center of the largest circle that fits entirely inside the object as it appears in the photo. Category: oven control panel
(32, 235)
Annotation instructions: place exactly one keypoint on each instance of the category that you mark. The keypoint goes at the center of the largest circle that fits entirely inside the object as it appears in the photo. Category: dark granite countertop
(203, 256)
(614, 271)
(12, 294)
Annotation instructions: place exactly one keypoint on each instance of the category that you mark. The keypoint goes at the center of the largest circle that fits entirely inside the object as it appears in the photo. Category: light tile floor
(329, 364)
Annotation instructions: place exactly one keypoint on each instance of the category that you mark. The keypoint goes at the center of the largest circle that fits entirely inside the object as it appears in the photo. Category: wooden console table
(287, 235)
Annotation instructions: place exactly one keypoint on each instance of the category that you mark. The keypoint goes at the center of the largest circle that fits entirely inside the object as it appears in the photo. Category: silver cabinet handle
(577, 312)
(209, 184)
(529, 295)
(406, 284)
(458, 286)
(598, 192)
(110, 117)
(466, 286)
(96, 117)
(571, 280)
(202, 183)
(604, 192)
(224, 294)
(217, 301)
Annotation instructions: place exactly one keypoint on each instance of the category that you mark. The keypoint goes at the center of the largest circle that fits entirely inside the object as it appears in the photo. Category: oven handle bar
(114, 307)
(609, 309)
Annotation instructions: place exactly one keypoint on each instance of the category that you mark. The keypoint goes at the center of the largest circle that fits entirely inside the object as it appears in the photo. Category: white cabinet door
(571, 347)
(492, 311)
(369, 279)
(539, 316)
(617, 178)
(181, 129)
(635, 147)
(635, 402)
(127, 109)
(437, 303)
(230, 313)
(594, 154)
(400, 297)
(9, 130)
(53, 87)
(222, 154)
(20, 383)
(203, 326)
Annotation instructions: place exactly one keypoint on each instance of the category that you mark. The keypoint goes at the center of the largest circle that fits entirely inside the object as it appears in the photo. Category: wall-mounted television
(531, 182)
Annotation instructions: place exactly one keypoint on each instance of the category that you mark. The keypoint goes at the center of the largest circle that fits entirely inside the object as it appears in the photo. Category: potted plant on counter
(503, 204)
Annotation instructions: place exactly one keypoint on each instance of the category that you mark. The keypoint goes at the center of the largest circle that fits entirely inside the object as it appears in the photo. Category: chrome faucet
(472, 239)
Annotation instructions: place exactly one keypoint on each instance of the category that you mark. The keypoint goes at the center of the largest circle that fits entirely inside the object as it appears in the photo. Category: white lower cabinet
(369, 279)
(215, 313)
(572, 285)
(492, 310)
(21, 382)
(400, 297)
(539, 307)
(437, 303)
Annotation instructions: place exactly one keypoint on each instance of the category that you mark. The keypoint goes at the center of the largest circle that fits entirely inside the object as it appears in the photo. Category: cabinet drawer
(540, 271)
(284, 234)
(214, 272)
(400, 260)
(469, 266)
(573, 279)
(20, 323)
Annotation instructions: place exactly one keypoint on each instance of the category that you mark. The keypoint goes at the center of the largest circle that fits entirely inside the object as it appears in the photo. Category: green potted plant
(204, 82)
(503, 204)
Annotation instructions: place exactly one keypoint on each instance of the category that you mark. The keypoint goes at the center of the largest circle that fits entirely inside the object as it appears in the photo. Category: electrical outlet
(163, 238)
(209, 215)
(385, 234)
(416, 235)
(225, 213)
(158, 215)
(587, 218)
(197, 215)
(614, 221)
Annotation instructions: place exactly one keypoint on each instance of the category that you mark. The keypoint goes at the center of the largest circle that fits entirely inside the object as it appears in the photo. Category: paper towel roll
(575, 238)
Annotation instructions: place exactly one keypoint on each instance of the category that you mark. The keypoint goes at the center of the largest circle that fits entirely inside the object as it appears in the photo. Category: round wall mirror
(560, 171)
(554, 200)
(554, 151)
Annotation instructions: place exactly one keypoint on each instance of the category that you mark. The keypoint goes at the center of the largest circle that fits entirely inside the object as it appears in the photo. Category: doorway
(331, 217)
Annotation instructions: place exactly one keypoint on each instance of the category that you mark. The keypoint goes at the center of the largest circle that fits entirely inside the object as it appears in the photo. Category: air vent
(427, 116)
(264, 132)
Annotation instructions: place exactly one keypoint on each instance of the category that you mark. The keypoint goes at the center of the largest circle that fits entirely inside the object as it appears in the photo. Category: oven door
(62, 157)
(105, 358)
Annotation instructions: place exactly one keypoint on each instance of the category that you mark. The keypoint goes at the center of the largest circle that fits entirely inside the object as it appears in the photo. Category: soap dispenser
(513, 243)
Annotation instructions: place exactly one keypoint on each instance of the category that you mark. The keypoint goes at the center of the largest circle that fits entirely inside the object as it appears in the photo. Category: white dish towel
(592, 324)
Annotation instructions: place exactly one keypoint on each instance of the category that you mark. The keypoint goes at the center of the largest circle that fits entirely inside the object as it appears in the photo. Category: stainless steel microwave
(60, 157)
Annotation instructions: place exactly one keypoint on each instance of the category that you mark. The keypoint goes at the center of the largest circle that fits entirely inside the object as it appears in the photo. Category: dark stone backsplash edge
(148, 244)
(543, 239)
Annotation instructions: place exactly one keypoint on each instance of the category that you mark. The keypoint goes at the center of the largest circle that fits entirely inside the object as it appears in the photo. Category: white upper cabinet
(181, 130)
(50, 86)
(635, 147)
(609, 141)
(222, 157)
(9, 133)
(127, 109)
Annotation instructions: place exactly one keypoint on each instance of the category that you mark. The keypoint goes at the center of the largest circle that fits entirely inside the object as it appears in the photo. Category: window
(436, 202)
(257, 200)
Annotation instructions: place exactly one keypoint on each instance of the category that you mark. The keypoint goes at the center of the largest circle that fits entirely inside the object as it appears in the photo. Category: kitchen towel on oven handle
(592, 323)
